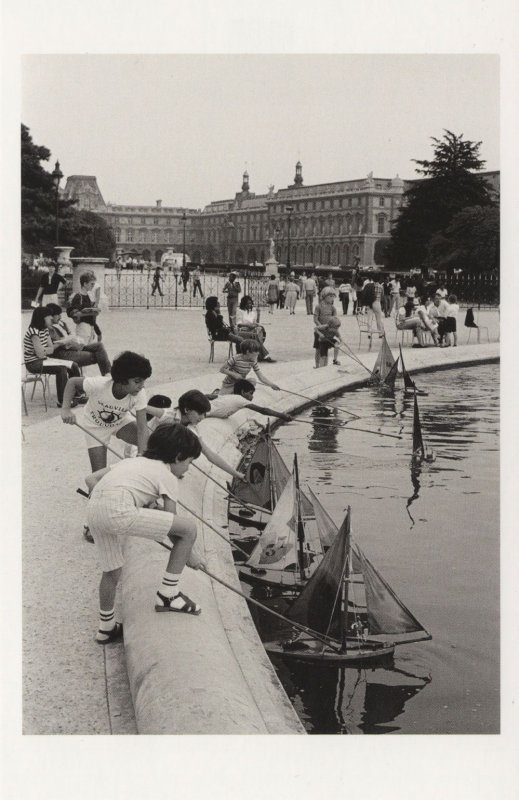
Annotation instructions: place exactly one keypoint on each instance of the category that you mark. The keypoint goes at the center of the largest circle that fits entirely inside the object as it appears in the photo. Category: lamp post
(56, 178)
(184, 219)
(288, 211)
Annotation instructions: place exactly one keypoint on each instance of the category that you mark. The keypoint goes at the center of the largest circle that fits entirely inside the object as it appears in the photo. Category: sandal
(110, 636)
(184, 604)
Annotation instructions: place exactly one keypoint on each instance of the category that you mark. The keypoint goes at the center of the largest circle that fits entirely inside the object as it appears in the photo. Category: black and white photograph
(259, 457)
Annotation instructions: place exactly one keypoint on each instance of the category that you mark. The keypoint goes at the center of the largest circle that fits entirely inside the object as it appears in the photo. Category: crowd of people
(138, 496)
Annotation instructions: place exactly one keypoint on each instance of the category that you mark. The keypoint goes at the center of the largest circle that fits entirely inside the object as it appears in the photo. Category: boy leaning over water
(119, 506)
(238, 367)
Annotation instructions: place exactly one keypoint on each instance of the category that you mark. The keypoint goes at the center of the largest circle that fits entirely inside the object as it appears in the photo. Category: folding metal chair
(364, 328)
(211, 347)
(34, 379)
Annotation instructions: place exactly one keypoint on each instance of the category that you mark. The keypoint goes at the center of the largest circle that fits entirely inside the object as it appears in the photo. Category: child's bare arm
(95, 477)
(226, 370)
(73, 385)
(155, 412)
(263, 378)
(143, 432)
(169, 504)
(218, 461)
(270, 412)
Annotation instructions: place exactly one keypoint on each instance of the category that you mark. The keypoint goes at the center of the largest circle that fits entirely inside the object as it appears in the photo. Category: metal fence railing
(134, 289)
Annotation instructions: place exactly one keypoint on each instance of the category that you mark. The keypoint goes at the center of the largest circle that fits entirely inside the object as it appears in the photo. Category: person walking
(272, 293)
(158, 278)
(291, 293)
(49, 285)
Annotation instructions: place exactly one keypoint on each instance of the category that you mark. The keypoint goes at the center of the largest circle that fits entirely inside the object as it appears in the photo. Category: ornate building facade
(344, 223)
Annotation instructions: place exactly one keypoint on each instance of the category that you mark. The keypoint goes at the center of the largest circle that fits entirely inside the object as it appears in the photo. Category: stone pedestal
(88, 264)
(271, 267)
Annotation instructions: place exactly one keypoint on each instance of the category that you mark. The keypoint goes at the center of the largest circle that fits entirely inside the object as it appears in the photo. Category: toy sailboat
(349, 603)
(289, 549)
(386, 367)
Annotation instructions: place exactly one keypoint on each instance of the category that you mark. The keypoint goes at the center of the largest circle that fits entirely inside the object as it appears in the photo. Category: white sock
(106, 620)
(169, 585)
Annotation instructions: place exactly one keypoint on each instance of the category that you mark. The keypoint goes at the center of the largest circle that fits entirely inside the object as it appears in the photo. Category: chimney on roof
(159, 203)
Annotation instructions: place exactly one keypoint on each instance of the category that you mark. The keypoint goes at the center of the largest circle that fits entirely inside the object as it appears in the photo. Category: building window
(117, 234)
(129, 235)
(381, 223)
(382, 201)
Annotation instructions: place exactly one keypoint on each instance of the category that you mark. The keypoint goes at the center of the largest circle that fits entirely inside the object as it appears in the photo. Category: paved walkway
(71, 685)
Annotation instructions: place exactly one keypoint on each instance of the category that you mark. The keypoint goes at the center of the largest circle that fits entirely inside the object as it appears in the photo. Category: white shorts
(112, 515)
(103, 433)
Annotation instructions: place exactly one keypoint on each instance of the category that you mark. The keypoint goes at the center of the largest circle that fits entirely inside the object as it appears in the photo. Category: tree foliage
(431, 203)
(86, 231)
(470, 241)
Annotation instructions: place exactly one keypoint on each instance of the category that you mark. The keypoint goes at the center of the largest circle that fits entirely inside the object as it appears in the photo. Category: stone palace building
(344, 223)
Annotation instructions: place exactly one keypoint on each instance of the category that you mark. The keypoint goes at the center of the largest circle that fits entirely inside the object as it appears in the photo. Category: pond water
(432, 532)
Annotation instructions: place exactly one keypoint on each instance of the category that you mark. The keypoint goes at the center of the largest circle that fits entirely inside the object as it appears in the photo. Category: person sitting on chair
(216, 327)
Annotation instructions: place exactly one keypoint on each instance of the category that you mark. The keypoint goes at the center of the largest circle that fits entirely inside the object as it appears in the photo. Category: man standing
(394, 293)
(233, 290)
(310, 287)
(196, 282)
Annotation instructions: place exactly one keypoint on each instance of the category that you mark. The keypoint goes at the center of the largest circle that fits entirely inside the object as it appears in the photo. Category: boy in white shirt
(110, 403)
(121, 504)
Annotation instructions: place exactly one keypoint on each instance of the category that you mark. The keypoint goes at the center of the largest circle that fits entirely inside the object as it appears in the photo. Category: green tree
(86, 231)
(447, 187)
(38, 198)
(470, 241)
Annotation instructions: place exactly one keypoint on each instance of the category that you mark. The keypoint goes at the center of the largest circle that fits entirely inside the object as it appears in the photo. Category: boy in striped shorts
(238, 368)
(123, 503)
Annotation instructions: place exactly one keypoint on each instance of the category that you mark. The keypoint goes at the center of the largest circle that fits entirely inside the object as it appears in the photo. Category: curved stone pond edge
(210, 674)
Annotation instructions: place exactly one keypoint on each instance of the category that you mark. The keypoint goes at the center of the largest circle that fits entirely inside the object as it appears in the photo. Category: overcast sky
(183, 128)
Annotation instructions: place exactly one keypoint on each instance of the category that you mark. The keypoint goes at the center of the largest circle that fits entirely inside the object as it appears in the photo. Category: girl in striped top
(38, 347)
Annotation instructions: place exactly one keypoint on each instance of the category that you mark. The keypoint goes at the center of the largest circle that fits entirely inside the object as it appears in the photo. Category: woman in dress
(291, 293)
(272, 293)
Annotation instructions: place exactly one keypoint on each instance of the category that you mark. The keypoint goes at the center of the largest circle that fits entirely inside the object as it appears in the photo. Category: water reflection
(362, 700)
(451, 507)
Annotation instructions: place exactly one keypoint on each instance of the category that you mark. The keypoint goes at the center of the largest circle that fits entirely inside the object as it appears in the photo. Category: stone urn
(63, 258)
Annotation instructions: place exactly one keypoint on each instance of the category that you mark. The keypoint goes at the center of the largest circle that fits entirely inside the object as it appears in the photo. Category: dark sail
(384, 363)
(319, 604)
(386, 613)
(408, 381)
(390, 378)
(418, 445)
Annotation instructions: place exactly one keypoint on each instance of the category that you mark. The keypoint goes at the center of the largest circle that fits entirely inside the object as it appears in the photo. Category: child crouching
(120, 506)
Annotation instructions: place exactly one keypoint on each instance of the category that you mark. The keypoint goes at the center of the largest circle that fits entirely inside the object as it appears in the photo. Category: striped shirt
(240, 365)
(29, 353)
